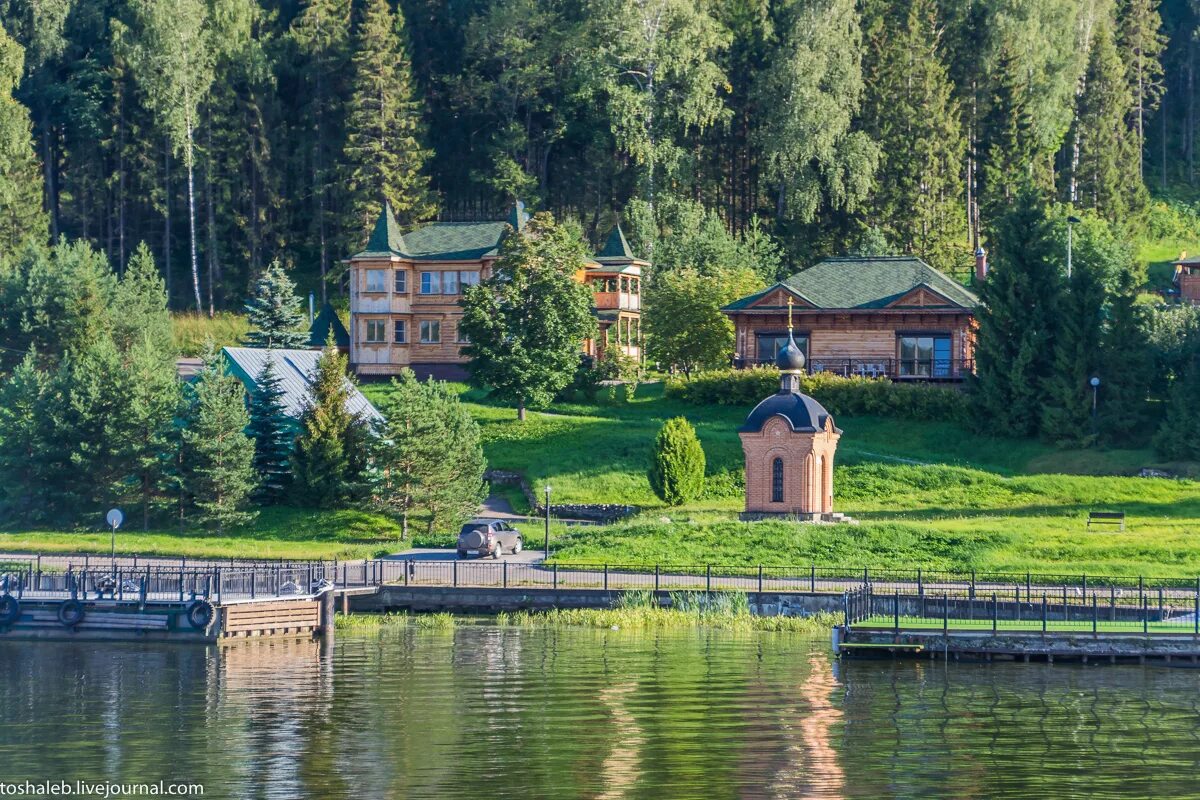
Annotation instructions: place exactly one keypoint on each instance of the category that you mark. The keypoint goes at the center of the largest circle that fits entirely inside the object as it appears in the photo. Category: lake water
(488, 712)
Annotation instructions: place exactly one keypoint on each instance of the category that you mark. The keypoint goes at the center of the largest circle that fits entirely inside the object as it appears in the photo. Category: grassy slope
(191, 331)
(970, 502)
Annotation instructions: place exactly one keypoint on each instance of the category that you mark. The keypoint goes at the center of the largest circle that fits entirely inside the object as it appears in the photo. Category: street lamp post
(114, 518)
(1071, 222)
(546, 505)
(1095, 384)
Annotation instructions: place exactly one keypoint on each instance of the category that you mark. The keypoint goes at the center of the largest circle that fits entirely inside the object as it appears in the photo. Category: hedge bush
(850, 396)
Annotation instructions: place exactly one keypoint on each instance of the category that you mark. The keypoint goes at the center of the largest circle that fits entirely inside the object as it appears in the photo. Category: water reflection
(570, 713)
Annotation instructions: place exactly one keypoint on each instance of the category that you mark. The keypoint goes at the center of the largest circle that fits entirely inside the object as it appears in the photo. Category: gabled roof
(326, 320)
(386, 238)
(296, 369)
(867, 283)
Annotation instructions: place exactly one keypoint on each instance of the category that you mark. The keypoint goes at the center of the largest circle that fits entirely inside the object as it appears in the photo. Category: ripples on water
(569, 713)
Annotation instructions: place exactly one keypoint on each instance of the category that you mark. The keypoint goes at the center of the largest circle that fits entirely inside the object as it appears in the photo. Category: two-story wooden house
(884, 316)
(405, 290)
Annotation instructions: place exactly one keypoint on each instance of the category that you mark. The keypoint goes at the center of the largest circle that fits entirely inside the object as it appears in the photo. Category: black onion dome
(802, 412)
(790, 357)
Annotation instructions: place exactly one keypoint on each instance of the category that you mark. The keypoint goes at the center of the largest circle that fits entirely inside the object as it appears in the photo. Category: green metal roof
(386, 238)
(865, 283)
(441, 241)
(616, 249)
(324, 321)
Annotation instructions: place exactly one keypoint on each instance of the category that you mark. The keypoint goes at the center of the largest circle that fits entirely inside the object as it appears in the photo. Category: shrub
(851, 396)
(677, 474)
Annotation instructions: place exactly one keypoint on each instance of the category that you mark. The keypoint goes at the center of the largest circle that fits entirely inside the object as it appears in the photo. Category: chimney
(981, 265)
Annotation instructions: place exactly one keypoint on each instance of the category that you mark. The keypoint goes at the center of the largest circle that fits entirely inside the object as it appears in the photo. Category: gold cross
(789, 315)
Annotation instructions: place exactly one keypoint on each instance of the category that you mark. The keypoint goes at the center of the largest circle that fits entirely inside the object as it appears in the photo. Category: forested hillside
(229, 133)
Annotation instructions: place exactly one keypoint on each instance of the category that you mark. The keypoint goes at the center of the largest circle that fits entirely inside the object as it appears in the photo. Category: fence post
(1160, 604)
(972, 584)
(812, 579)
(1095, 615)
(866, 578)
(504, 572)
(408, 567)
(1141, 590)
(995, 612)
(1085, 583)
(1196, 614)
(656, 577)
(945, 613)
(1043, 613)
(760, 578)
(555, 568)
(896, 610)
(846, 607)
(606, 577)
(1066, 613)
(454, 572)
(920, 587)
(1145, 618)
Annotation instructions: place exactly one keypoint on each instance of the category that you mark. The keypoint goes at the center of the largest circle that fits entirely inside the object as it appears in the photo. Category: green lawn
(927, 494)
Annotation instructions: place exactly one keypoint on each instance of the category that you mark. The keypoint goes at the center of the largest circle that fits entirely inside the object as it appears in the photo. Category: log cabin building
(879, 316)
(405, 290)
(1187, 278)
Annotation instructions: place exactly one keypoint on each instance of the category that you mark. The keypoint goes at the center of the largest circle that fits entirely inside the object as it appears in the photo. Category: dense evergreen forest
(230, 133)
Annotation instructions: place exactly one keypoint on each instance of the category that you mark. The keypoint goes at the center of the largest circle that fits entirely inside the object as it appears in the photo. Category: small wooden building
(879, 316)
(1187, 278)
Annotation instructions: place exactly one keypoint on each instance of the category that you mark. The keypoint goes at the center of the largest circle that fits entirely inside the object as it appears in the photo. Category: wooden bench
(1106, 518)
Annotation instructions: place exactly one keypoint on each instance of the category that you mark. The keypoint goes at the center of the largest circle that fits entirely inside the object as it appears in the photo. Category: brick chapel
(789, 441)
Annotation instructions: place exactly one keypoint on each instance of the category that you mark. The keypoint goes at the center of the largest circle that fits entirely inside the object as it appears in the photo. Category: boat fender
(71, 613)
(200, 614)
(10, 609)
(837, 640)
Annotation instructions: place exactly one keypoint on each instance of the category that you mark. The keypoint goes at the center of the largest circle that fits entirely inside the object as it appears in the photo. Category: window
(468, 278)
(400, 332)
(401, 281)
(769, 345)
(375, 280)
(431, 283)
(634, 285)
(598, 285)
(431, 331)
(925, 356)
(777, 481)
(449, 283)
(625, 285)
(376, 331)
(460, 335)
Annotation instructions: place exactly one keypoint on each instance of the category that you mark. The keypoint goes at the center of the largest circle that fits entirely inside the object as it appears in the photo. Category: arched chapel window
(777, 480)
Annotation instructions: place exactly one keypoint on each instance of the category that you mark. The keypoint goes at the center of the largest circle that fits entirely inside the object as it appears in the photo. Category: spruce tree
(1067, 410)
(1017, 320)
(1007, 142)
(274, 312)
(1108, 178)
(218, 456)
(1125, 368)
(272, 433)
(910, 111)
(21, 215)
(677, 470)
(324, 462)
(384, 155)
(454, 487)
(1178, 436)
(1141, 45)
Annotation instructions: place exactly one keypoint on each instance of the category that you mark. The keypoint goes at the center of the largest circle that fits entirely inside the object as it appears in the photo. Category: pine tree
(272, 433)
(384, 155)
(324, 465)
(23, 419)
(677, 472)
(274, 312)
(146, 423)
(21, 215)
(525, 322)
(1108, 164)
(1017, 320)
(218, 456)
(140, 300)
(453, 487)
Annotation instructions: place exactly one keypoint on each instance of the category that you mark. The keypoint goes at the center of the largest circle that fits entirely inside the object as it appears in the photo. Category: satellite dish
(114, 518)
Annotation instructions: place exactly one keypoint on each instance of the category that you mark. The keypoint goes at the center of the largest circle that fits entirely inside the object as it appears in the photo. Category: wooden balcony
(628, 301)
(922, 369)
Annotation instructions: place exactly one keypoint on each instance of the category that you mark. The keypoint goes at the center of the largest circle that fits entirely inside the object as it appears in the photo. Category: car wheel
(499, 551)
(517, 547)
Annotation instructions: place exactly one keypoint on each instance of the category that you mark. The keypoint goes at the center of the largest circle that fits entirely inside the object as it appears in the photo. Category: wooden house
(880, 316)
(405, 290)
(1187, 278)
